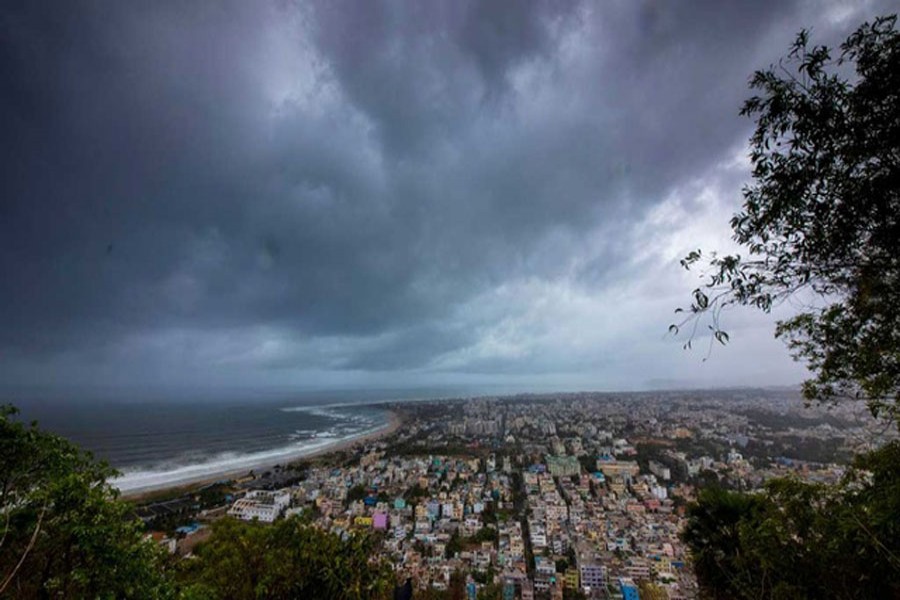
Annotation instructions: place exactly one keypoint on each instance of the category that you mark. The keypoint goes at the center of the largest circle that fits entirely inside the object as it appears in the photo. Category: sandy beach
(189, 482)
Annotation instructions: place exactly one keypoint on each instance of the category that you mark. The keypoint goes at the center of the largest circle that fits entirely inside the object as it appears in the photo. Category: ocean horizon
(156, 443)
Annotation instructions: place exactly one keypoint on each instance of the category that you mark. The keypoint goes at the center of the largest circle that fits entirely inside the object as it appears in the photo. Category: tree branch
(31, 542)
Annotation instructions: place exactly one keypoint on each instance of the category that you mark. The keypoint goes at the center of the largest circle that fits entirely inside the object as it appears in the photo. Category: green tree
(490, 591)
(822, 215)
(356, 493)
(289, 559)
(713, 535)
(652, 591)
(64, 532)
(415, 493)
(803, 540)
(485, 534)
(454, 545)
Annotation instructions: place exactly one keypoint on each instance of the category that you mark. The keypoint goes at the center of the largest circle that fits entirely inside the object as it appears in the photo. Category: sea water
(159, 443)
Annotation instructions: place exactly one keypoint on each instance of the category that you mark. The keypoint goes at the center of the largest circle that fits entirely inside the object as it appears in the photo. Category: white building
(659, 492)
(262, 505)
(660, 470)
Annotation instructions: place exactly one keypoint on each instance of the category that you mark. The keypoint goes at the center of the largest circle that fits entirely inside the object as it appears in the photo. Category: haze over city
(330, 194)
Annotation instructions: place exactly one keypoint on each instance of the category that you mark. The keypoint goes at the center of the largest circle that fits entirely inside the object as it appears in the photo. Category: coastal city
(537, 496)
(403, 300)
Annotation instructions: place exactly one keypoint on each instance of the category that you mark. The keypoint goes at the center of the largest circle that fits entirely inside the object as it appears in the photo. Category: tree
(64, 532)
(491, 591)
(822, 216)
(289, 559)
(652, 591)
(454, 545)
(712, 533)
(415, 493)
(356, 493)
(456, 589)
(485, 534)
(802, 540)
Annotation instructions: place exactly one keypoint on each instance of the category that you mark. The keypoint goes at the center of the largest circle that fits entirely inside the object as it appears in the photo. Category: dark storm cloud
(420, 69)
(344, 185)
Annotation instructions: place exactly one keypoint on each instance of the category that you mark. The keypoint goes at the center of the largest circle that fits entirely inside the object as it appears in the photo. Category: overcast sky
(209, 194)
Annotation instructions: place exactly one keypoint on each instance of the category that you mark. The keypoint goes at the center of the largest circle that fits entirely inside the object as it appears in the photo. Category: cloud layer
(374, 193)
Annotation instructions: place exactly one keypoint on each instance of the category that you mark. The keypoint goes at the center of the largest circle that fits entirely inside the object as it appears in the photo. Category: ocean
(160, 443)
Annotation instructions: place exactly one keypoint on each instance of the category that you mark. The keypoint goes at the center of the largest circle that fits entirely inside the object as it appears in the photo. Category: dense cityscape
(539, 496)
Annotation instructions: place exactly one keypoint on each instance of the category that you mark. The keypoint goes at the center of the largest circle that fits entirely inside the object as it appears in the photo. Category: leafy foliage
(454, 545)
(652, 591)
(491, 591)
(823, 215)
(290, 559)
(803, 540)
(356, 493)
(485, 534)
(64, 532)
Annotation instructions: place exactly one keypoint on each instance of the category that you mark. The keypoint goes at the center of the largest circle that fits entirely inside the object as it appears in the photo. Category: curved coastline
(147, 482)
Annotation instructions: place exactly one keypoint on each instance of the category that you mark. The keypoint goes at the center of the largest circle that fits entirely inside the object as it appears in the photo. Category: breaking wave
(229, 463)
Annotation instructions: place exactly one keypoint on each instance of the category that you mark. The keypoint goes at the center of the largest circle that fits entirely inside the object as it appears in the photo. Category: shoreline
(189, 483)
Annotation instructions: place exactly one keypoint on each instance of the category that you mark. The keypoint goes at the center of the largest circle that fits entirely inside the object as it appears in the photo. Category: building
(628, 589)
(571, 578)
(261, 505)
(380, 521)
(611, 468)
(593, 576)
(563, 466)
(660, 470)
(544, 573)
